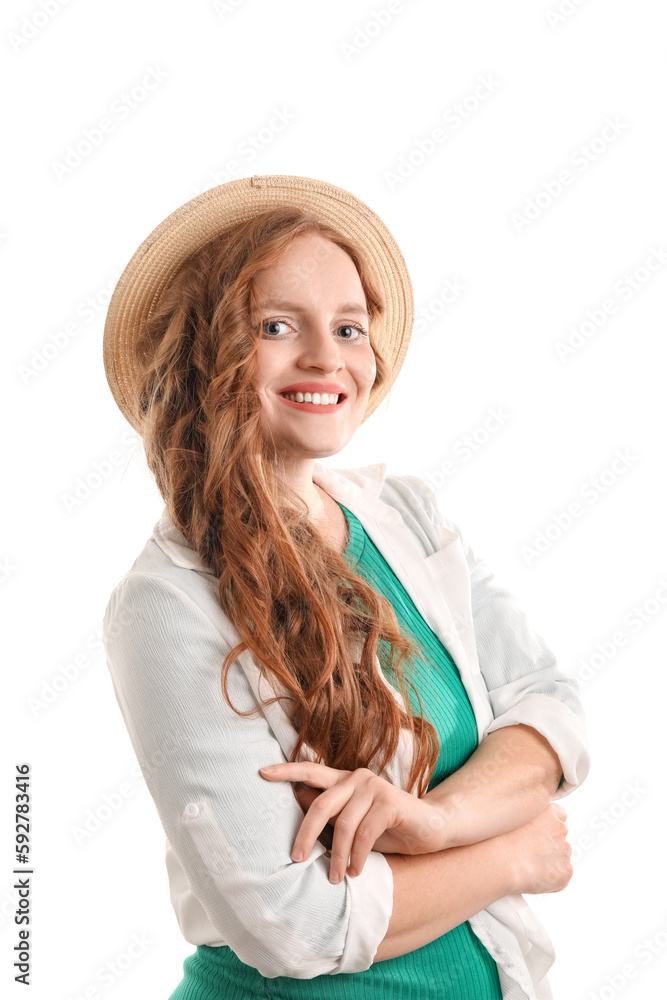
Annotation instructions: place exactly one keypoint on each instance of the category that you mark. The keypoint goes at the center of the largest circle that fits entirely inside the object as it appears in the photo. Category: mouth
(308, 406)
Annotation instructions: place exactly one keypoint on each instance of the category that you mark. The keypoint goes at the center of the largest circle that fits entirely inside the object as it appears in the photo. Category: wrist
(508, 863)
(447, 822)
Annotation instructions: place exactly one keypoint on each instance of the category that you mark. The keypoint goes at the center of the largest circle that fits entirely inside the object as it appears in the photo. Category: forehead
(310, 264)
(313, 251)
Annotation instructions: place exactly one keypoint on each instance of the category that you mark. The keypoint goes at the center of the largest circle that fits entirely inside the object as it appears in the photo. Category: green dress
(456, 966)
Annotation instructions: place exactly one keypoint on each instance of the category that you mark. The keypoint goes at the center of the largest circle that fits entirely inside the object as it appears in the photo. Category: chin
(318, 449)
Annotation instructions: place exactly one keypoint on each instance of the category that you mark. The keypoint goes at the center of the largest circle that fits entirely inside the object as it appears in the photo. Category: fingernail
(297, 855)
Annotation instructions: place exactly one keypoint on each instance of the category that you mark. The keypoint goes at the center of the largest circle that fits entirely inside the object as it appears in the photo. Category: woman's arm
(506, 782)
(230, 830)
(434, 893)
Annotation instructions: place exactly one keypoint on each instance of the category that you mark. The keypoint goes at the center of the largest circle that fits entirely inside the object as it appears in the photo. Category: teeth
(324, 398)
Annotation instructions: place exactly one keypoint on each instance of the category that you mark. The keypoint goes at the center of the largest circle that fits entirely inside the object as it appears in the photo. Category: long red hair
(290, 596)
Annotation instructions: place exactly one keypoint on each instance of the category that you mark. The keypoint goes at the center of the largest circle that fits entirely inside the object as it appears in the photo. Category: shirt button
(192, 809)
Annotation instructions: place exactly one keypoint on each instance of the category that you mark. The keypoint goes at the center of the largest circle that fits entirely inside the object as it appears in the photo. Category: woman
(331, 623)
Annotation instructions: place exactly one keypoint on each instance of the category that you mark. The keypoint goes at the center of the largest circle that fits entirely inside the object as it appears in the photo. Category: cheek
(263, 369)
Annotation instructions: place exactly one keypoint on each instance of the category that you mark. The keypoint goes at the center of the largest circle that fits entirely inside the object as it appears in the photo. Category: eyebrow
(293, 307)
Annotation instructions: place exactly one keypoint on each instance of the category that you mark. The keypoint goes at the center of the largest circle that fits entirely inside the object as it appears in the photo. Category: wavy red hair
(290, 596)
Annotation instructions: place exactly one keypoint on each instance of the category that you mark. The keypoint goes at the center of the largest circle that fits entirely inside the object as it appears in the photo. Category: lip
(331, 387)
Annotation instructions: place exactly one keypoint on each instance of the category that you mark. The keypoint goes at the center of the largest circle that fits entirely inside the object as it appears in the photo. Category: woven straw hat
(197, 221)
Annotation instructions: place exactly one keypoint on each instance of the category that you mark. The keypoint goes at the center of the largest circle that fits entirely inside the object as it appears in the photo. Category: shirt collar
(359, 489)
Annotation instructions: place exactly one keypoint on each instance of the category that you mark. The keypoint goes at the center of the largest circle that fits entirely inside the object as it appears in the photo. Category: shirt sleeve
(231, 830)
(524, 681)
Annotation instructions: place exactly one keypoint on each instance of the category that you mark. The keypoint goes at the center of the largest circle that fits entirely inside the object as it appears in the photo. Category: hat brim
(186, 230)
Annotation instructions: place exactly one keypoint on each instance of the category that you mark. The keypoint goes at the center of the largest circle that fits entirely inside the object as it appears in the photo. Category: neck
(300, 478)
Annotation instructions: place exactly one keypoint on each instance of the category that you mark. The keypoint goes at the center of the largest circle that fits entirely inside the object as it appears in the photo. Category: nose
(320, 349)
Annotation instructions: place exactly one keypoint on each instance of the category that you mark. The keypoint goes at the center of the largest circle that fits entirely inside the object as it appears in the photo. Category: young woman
(332, 624)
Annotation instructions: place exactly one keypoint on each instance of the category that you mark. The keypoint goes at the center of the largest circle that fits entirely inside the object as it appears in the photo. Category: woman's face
(314, 338)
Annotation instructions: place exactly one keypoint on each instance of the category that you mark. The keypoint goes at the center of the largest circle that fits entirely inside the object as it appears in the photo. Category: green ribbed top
(456, 966)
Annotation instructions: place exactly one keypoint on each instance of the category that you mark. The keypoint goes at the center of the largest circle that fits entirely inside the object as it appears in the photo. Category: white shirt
(230, 831)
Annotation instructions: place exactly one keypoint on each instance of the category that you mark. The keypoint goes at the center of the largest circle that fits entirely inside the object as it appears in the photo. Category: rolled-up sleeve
(523, 679)
(520, 671)
(231, 830)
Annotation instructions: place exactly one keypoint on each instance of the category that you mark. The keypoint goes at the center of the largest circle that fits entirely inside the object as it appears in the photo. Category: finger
(307, 771)
(353, 834)
(326, 806)
(371, 827)
(305, 795)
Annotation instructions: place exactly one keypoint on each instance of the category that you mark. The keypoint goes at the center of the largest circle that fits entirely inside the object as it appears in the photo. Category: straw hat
(199, 220)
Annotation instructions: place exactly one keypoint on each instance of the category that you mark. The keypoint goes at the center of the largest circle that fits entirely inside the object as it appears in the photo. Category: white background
(356, 109)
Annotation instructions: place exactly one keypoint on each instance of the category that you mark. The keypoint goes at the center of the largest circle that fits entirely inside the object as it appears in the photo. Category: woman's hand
(539, 853)
(369, 813)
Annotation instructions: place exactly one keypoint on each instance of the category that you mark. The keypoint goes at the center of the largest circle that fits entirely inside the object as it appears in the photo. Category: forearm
(506, 782)
(434, 893)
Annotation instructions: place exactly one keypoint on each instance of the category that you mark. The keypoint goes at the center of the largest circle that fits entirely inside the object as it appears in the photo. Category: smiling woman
(332, 622)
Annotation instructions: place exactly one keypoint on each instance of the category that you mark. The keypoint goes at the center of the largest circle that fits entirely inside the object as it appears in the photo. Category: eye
(270, 329)
(273, 323)
(354, 326)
